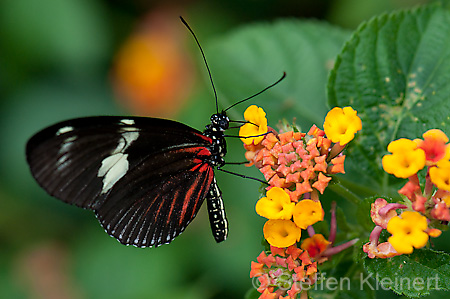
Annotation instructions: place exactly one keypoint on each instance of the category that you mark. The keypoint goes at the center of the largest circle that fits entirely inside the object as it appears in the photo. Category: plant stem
(345, 193)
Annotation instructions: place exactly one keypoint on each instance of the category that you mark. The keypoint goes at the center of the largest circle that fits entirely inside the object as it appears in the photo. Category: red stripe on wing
(201, 151)
(207, 139)
(191, 197)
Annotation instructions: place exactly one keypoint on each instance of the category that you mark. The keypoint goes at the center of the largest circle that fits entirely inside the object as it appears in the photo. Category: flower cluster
(283, 271)
(297, 162)
(279, 230)
(423, 208)
(298, 168)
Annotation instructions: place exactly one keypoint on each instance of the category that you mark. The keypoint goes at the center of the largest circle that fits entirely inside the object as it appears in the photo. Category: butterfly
(144, 178)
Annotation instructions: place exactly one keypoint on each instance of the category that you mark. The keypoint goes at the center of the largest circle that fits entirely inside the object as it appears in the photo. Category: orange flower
(322, 182)
(267, 294)
(152, 73)
(256, 269)
(315, 245)
(295, 161)
(292, 271)
(435, 146)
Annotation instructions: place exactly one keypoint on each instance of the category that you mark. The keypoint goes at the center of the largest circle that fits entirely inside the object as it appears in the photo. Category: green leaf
(394, 71)
(251, 58)
(412, 275)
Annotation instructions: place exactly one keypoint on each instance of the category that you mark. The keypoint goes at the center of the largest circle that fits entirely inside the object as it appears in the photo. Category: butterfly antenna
(258, 93)
(204, 59)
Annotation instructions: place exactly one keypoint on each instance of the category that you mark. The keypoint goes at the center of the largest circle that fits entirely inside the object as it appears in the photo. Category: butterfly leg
(242, 176)
(216, 212)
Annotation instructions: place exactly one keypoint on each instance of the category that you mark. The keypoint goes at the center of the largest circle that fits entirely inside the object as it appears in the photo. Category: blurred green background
(61, 59)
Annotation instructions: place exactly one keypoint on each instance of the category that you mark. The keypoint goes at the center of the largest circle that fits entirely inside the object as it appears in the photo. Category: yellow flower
(406, 159)
(446, 199)
(277, 205)
(341, 125)
(435, 134)
(281, 233)
(440, 175)
(257, 125)
(408, 231)
(307, 212)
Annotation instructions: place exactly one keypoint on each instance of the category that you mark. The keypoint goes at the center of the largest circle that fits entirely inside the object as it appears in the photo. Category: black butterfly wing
(164, 198)
(145, 178)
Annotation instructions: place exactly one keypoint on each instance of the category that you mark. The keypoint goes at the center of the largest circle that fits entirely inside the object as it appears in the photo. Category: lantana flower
(423, 206)
(440, 175)
(279, 230)
(283, 272)
(307, 212)
(276, 205)
(315, 245)
(297, 162)
(341, 125)
(381, 212)
(256, 126)
(298, 167)
(406, 159)
(435, 146)
(379, 250)
(281, 233)
(408, 230)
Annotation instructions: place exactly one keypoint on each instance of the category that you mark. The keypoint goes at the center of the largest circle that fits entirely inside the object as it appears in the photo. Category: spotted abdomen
(216, 213)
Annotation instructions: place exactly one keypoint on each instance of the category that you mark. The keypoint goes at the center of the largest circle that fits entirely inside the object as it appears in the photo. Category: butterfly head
(220, 121)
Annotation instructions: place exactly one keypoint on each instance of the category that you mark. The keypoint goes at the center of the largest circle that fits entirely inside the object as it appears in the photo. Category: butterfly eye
(220, 121)
(224, 122)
